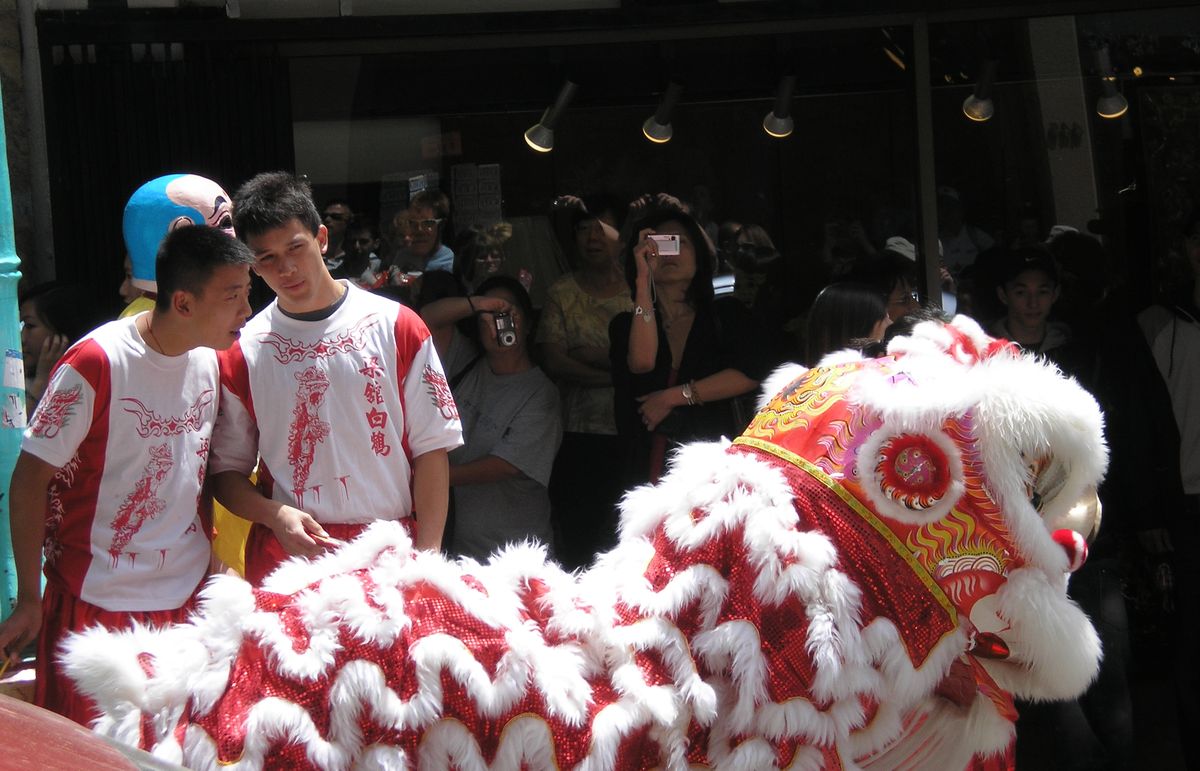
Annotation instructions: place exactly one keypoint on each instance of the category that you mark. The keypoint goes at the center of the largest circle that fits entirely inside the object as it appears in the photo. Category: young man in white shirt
(109, 478)
(336, 394)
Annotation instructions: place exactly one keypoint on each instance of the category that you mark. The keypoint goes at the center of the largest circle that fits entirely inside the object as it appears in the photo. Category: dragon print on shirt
(54, 411)
(439, 389)
(288, 350)
(307, 429)
(202, 454)
(150, 423)
(142, 503)
(55, 511)
(51, 545)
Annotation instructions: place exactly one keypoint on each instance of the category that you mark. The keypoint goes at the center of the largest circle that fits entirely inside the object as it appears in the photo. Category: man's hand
(568, 202)
(300, 534)
(487, 304)
(19, 629)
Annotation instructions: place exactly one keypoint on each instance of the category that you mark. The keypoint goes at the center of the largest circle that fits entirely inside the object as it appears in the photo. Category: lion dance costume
(863, 580)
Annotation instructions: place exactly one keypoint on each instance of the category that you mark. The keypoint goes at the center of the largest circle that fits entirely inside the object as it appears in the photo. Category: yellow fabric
(229, 543)
(142, 303)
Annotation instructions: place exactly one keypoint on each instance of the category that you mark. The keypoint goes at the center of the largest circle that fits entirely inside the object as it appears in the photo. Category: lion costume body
(863, 579)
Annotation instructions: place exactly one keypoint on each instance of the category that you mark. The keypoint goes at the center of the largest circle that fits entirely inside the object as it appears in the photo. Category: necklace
(150, 330)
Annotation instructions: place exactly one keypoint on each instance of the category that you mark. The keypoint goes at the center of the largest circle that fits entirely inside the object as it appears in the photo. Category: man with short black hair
(109, 478)
(335, 216)
(1029, 288)
(337, 394)
(360, 263)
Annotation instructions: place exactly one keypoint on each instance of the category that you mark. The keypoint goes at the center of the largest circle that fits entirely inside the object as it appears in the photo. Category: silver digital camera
(506, 331)
(667, 244)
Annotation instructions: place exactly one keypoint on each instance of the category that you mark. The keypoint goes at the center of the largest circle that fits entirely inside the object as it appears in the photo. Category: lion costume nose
(1074, 545)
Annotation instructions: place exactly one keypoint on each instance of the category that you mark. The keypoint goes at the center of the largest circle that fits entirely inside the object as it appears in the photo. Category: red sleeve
(235, 376)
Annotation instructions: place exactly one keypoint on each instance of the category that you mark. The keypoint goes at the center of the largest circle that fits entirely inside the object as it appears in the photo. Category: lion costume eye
(911, 476)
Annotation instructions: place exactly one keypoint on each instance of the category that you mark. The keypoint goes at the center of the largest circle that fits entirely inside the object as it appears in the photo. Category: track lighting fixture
(978, 106)
(893, 51)
(657, 127)
(540, 136)
(778, 122)
(1111, 103)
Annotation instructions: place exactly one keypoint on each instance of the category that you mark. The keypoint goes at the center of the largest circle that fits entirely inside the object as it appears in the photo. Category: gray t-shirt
(516, 418)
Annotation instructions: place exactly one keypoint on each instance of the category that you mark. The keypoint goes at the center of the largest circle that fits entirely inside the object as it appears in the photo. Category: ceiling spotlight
(657, 127)
(893, 51)
(978, 106)
(778, 122)
(1110, 104)
(540, 136)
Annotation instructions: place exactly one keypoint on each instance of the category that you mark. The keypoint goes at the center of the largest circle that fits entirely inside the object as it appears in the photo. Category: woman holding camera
(510, 419)
(680, 358)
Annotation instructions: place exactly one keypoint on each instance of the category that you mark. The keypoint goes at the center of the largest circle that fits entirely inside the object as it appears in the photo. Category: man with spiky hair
(337, 394)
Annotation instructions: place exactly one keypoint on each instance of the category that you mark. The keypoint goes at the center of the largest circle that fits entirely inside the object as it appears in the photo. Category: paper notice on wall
(475, 195)
(14, 369)
(12, 415)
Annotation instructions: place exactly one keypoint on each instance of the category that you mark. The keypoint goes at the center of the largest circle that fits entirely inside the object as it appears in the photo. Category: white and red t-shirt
(129, 430)
(335, 409)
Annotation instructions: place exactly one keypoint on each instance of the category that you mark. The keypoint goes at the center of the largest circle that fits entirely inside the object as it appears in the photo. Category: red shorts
(63, 613)
(264, 552)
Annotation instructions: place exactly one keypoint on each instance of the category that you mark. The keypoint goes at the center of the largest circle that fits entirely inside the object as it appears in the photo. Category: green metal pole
(12, 387)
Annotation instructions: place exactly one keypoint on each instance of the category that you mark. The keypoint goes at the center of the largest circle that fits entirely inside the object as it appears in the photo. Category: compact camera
(506, 331)
(667, 244)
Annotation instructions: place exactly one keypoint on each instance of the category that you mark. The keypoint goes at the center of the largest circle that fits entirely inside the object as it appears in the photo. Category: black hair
(70, 310)
(700, 291)
(272, 199)
(37, 290)
(513, 287)
(362, 222)
(884, 271)
(188, 257)
(842, 316)
(904, 326)
(1025, 258)
(596, 205)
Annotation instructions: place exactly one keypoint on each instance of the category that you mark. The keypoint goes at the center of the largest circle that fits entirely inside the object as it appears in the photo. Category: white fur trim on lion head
(1041, 435)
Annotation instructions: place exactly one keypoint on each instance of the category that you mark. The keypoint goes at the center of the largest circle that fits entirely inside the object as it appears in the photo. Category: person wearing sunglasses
(422, 228)
(335, 216)
(480, 254)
